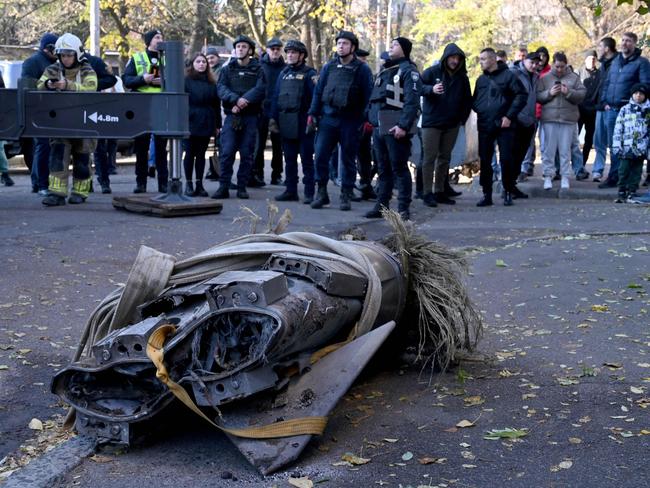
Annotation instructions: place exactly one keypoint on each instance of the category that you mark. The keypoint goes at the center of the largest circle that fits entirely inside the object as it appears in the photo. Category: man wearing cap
(241, 87)
(526, 126)
(32, 69)
(142, 74)
(338, 109)
(291, 100)
(394, 110)
(272, 64)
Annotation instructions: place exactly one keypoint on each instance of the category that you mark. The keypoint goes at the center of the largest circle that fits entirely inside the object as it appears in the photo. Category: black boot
(242, 193)
(507, 199)
(53, 200)
(517, 193)
(256, 182)
(287, 196)
(189, 189)
(367, 193)
(441, 197)
(140, 189)
(346, 199)
(449, 191)
(222, 192)
(322, 198)
(6, 180)
(199, 191)
(429, 200)
(622, 197)
(375, 213)
(486, 201)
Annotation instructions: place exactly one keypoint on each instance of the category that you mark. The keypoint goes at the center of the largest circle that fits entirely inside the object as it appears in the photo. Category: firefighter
(291, 101)
(71, 72)
(338, 111)
(142, 74)
(394, 110)
(241, 88)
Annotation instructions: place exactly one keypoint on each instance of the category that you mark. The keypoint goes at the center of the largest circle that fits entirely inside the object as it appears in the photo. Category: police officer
(71, 72)
(364, 156)
(241, 88)
(394, 109)
(338, 110)
(291, 100)
(142, 74)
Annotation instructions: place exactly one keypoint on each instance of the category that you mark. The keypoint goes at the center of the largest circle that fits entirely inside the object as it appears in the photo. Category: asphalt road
(562, 285)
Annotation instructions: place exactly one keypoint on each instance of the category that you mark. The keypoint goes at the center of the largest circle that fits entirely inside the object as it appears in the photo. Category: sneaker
(106, 189)
(582, 175)
(53, 200)
(76, 199)
(548, 183)
(6, 179)
(597, 177)
(345, 199)
(564, 184)
(140, 189)
(522, 177)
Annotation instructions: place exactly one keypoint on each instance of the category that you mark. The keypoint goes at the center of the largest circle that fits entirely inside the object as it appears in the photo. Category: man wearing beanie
(142, 74)
(394, 110)
(33, 68)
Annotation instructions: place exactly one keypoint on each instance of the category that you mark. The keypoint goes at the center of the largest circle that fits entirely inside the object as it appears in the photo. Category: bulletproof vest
(340, 90)
(243, 78)
(292, 86)
(389, 87)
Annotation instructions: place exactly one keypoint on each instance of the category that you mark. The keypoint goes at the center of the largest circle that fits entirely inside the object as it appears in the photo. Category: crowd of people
(349, 125)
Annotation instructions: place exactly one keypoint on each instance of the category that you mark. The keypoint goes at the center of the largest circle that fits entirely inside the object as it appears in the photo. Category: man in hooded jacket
(446, 105)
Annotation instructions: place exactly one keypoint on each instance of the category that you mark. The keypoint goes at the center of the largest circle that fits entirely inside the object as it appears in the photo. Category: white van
(11, 72)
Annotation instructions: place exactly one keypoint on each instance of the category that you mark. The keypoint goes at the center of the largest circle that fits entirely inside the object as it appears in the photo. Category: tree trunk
(199, 30)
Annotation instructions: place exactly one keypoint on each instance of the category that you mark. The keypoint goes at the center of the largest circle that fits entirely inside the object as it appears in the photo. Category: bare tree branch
(566, 7)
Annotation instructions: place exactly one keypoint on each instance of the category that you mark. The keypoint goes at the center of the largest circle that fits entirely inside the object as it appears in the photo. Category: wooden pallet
(144, 204)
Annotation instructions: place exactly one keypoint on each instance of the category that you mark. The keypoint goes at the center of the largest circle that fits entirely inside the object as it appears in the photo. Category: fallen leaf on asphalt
(643, 365)
(638, 391)
(35, 424)
(567, 381)
(575, 440)
(599, 308)
(566, 464)
(348, 457)
(468, 455)
(3, 367)
(391, 441)
(473, 400)
(463, 424)
(432, 460)
(613, 366)
(501, 263)
(98, 458)
(507, 433)
(469, 466)
(303, 482)
(407, 456)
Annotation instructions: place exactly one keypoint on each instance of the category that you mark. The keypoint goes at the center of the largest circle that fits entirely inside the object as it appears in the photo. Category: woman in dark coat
(205, 121)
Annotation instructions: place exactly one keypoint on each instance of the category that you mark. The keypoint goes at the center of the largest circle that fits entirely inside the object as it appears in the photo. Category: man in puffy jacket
(627, 69)
(499, 96)
(446, 105)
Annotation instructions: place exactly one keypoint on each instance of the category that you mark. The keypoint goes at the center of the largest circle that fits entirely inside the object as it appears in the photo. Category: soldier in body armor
(241, 88)
(292, 98)
(338, 109)
(394, 110)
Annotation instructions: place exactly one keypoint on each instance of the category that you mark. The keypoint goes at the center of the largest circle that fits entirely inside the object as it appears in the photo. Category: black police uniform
(395, 100)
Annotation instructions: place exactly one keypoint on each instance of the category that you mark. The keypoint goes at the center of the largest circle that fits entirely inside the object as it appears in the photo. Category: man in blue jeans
(607, 52)
(627, 69)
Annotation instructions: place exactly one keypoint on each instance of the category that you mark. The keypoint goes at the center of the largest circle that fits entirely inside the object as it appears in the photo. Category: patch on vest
(415, 76)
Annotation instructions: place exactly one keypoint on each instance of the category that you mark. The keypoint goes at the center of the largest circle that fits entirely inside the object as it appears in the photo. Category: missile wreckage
(262, 335)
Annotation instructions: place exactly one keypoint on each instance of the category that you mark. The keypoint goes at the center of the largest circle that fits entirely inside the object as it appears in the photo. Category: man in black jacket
(498, 98)
(607, 52)
(446, 104)
(272, 64)
(33, 68)
(590, 76)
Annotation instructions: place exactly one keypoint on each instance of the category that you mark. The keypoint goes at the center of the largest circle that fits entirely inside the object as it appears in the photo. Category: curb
(573, 193)
(47, 469)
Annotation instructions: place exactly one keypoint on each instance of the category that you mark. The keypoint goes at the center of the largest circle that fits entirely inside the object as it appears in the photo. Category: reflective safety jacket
(80, 78)
(139, 65)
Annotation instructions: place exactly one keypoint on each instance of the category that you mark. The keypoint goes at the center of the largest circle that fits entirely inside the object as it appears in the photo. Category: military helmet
(69, 44)
(295, 45)
(246, 39)
(349, 36)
